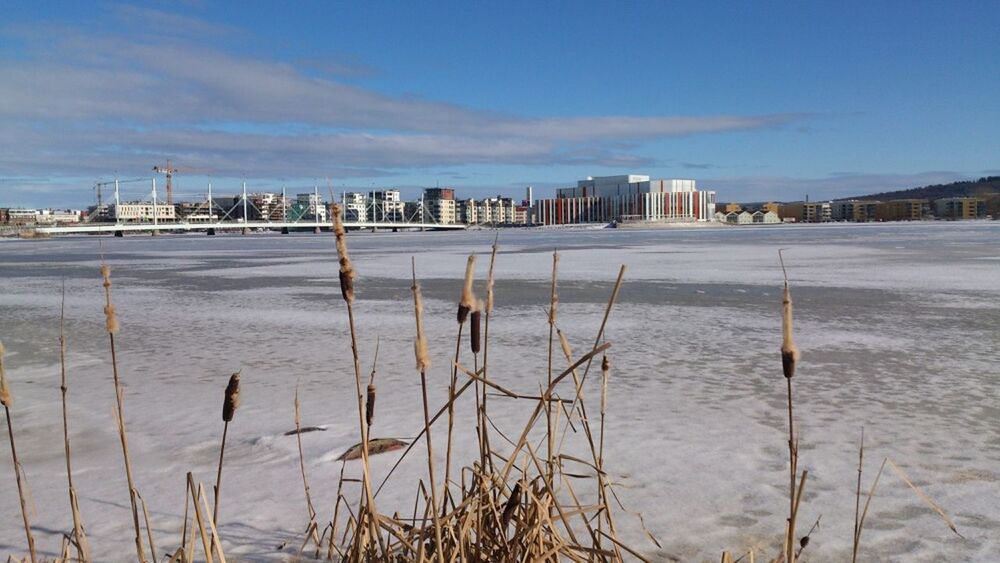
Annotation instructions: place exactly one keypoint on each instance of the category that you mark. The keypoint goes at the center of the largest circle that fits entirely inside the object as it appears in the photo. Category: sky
(756, 100)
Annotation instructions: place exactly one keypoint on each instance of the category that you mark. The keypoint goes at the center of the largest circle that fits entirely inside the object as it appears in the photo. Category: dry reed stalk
(7, 400)
(231, 402)
(302, 460)
(486, 348)
(370, 397)
(553, 308)
(336, 514)
(79, 536)
(466, 303)
(789, 358)
(347, 275)
(857, 497)
(111, 325)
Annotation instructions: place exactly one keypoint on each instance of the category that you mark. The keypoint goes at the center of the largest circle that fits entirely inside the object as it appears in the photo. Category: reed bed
(525, 497)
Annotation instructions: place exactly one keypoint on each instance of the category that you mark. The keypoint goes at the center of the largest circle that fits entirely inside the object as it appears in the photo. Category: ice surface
(899, 327)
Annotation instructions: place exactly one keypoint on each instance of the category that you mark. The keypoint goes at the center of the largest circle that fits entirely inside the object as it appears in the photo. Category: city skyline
(755, 102)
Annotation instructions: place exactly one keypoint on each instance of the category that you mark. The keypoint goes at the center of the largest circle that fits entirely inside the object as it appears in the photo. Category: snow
(897, 324)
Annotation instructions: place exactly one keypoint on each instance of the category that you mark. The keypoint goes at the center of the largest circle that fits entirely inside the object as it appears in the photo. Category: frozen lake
(899, 327)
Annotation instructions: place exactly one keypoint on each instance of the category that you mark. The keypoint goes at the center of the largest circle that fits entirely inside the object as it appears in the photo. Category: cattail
(6, 399)
(110, 319)
(789, 352)
(232, 399)
(605, 372)
(346, 268)
(370, 405)
(468, 301)
(477, 315)
(420, 344)
(511, 506)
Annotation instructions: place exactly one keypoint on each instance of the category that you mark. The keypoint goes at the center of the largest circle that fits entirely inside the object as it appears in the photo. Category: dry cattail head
(474, 334)
(106, 274)
(512, 503)
(110, 320)
(605, 373)
(6, 399)
(346, 268)
(420, 344)
(564, 343)
(370, 405)
(789, 351)
(232, 399)
(468, 301)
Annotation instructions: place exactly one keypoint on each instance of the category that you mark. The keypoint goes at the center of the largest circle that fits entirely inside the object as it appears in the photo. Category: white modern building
(627, 198)
(142, 211)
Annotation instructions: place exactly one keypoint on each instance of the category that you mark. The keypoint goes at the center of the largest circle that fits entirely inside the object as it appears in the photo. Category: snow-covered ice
(899, 327)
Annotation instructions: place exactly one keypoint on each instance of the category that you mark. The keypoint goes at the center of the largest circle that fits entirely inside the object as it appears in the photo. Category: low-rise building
(142, 212)
(806, 212)
(959, 208)
(734, 207)
(765, 217)
(858, 211)
(309, 207)
(901, 210)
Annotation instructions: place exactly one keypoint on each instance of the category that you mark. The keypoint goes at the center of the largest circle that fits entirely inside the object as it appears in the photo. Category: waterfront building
(806, 212)
(310, 207)
(772, 207)
(387, 205)
(355, 207)
(734, 207)
(440, 203)
(858, 211)
(959, 208)
(626, 198)
(901, 210)
(765, 217)
(490, 211)
(142, 212)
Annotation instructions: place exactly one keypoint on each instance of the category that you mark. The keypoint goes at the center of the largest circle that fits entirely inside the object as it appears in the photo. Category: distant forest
(983, 187)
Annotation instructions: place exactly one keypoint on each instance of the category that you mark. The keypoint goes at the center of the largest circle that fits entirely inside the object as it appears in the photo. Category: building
(142, 212)
(627, 198)
(806, 212)
(854, 210)
(355, 207)
(901, 210)
(760, 217)
(196, 212)
(440, 204)
(267, 206)
(733, 208)
(490, 211)
(959, 208)
(387, 206)
(772, 207)
(308, 207)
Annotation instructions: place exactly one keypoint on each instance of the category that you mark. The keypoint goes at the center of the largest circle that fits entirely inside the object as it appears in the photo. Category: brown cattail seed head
(106, 274)
(420, 344)
(370, 405)
(512, 503)
(476, 339)
(468, 301)
(110, 320)
(346, 268)
(6, 399)
(789, 351)
(232, 399)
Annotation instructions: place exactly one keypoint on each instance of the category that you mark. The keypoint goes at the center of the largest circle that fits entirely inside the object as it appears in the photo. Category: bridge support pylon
(284, 230)
(210, 232)
(119, 234)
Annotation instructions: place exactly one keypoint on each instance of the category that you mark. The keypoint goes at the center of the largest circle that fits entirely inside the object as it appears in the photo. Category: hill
(983, 187)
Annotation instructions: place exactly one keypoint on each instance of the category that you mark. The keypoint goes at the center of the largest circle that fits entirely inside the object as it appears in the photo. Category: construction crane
(168, 171)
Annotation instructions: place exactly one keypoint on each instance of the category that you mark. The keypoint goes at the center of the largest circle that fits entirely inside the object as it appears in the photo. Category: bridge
(120, 229)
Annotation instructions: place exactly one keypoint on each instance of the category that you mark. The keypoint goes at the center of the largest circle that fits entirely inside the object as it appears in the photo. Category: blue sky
(758, 100)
